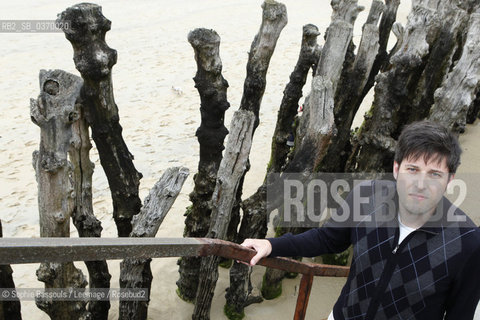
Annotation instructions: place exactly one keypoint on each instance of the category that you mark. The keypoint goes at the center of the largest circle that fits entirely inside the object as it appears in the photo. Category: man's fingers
(254, 260)
(262, 247)
(243, 262)
(260, 254)
(247, 243)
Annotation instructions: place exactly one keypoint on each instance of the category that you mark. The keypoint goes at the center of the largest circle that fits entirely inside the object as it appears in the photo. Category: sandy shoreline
(159, 124)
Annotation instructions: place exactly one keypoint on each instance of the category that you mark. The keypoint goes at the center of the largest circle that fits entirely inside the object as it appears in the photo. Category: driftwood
(254, 221)
(136, 273)
(421, 59)
(54, 112)
(231, 170)
(212, 88)
(9, 310)
(94, 59)
(458, 92)
(82, 216)
(273, 20)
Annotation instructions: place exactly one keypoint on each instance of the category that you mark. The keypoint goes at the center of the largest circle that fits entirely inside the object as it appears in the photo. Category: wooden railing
(32, 250)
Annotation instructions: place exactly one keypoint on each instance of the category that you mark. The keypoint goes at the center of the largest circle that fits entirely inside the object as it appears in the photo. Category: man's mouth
(417, 196)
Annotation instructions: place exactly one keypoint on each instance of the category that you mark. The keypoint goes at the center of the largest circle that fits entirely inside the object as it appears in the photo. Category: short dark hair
(429, 140)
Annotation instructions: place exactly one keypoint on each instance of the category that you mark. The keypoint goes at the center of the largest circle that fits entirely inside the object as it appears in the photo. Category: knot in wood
(51, 163)
(73, 116)
(47, 272)
(59, 216)
(51, 87)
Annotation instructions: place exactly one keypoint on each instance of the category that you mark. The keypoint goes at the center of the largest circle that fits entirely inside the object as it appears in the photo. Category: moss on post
(271, 290)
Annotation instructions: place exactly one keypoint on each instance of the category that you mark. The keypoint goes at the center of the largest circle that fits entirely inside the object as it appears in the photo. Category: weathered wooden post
(82, 216)
(357, 78)
(310, 53)
(9, 310)
(274, 19)
(230, 172)
(212, 88)
(54, 112)
(136, 273)
(86, 30)
(254, 221)
(317, 126)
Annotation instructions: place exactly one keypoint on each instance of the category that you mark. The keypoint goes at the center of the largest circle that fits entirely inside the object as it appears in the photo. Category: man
(422, 264)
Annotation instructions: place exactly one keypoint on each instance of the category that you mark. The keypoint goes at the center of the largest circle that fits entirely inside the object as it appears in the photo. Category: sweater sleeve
(465, 294)
(311, 243)
(332, 237)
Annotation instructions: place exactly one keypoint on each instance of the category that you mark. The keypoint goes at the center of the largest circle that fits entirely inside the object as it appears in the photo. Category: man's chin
(417, 210)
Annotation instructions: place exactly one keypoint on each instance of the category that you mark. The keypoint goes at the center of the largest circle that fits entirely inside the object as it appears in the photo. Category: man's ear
(396, 166)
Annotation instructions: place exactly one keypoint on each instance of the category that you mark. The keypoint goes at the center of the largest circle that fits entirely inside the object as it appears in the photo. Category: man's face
(420, 184)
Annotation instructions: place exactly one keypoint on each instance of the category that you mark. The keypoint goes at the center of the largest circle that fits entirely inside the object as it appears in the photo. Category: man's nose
(421, 183)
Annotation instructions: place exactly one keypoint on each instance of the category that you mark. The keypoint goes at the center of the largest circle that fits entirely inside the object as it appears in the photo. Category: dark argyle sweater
(433, 274)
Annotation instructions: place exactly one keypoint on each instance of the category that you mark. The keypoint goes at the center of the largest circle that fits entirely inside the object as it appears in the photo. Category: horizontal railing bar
(30, 250)
(34, 250)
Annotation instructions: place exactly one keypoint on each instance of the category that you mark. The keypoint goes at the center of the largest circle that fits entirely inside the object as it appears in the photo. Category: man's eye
(412, 170)
(436, 174)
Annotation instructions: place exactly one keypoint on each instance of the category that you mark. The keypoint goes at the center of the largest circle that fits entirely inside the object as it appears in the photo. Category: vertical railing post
(303, 295)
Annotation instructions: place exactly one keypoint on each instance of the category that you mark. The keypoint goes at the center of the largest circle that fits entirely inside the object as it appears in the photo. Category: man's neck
(414, 220)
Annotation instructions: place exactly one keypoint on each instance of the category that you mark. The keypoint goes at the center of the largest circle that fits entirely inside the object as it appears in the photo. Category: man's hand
(262, 246)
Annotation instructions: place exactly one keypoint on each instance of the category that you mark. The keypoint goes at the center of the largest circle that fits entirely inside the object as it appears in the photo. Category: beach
(159, 113)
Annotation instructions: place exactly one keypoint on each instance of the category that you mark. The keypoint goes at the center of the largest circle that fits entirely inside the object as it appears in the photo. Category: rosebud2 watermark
(348, 199)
